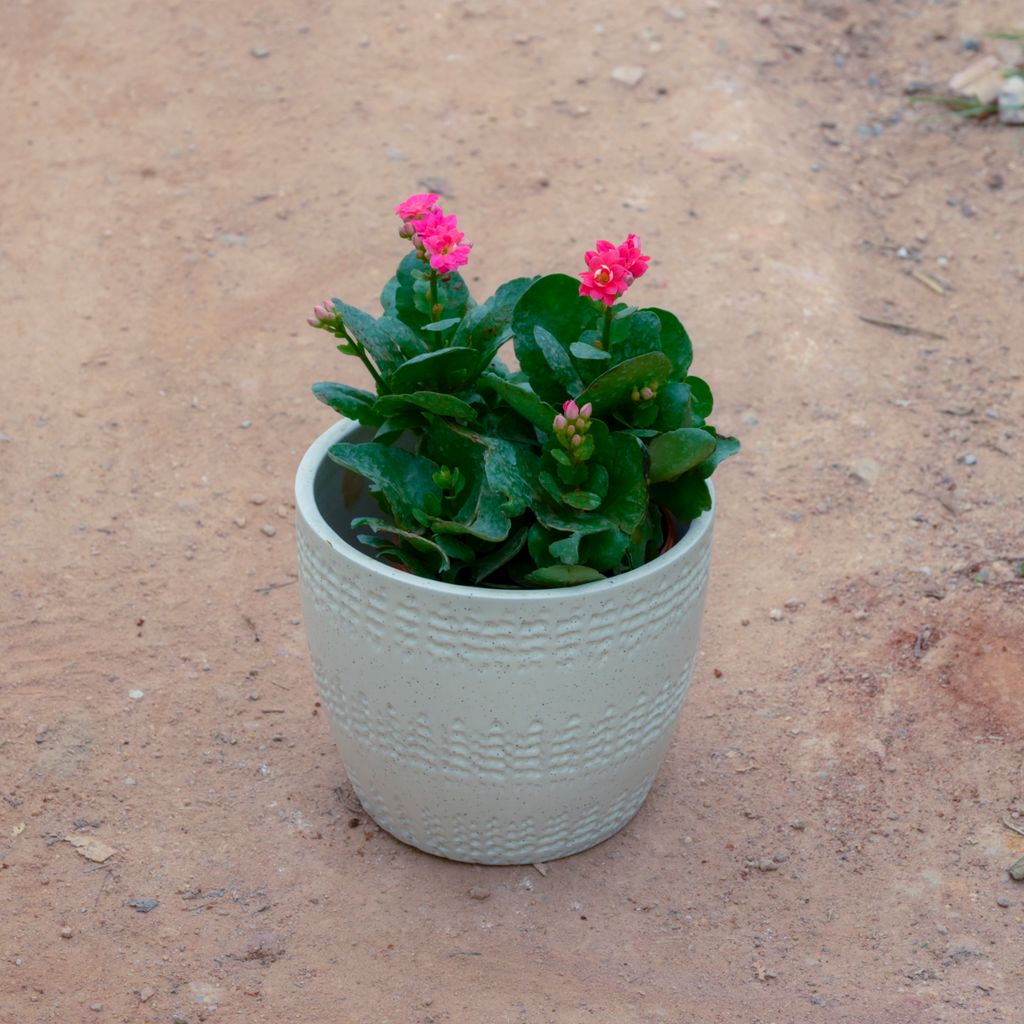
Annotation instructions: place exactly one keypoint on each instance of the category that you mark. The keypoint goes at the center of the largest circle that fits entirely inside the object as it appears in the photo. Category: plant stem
(382, 388)
(433, 294)
(606, 329)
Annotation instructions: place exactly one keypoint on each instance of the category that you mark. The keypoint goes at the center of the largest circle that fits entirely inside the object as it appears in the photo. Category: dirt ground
(829, 837)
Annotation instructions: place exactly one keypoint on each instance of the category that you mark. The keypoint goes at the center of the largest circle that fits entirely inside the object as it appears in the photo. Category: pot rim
(306, 507)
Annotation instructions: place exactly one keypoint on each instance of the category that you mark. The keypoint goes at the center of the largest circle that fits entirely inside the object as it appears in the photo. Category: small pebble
(798, 825)
(245, 424)
(776, 615)
(240, 521)
(970, 460)
(477, 892)
(1002, 902)
(903, 252)
(765, 864)
(66, 932)
(257, 499)
(260, 52)
(629, 74)
(780, 856)
(269, 530)
(970, 44)
(136, 694)
(867, 470)
(95, 1007)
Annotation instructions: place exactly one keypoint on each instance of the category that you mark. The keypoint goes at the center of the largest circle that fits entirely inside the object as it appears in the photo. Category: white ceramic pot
(492, 726)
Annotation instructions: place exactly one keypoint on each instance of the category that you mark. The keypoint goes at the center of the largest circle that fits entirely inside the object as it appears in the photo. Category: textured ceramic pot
(492, 726)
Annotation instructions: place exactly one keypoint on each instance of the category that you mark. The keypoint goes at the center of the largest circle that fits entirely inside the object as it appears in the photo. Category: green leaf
(402, 478)
(558, 359)
(686, 496)
(626, 504)
(400, 295)
(702, 400)
(489, 564)
(443, 325)
(418, 542)
(615, 386)
(674, 406)
(349, 401)
(395, 426)
(488, 326)
(481, 516)
(562, 576)
(539, 541)
(511, 470)
(408, 342)
(523, 400)
(388, 298)
(724, 448)
(455, 548)
(567, 520)
(430, 401)
(372, 335)
(567, 551)
(675, 342)
(603, 551)
(448, 369)
(585, 501)
(554, 303)
(581, 350)
(676, 451)
(643, 335)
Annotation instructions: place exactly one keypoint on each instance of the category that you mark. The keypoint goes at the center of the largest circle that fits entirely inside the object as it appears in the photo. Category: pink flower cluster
(572, 423)
(435, 233)
(611, 269)
(323, 315)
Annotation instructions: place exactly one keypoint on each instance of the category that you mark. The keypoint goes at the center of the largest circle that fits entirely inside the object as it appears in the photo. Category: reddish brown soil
(172, 204)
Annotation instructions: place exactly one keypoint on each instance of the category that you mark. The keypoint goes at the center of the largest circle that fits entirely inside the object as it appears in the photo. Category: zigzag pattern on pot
(522, 841)
(499, 755)
(484, 633)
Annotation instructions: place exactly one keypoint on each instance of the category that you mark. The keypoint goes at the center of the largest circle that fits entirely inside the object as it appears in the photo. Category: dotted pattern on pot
(527, 841)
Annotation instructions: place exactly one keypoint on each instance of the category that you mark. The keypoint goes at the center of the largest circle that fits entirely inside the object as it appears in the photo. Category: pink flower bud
(560, 422)
(587, 410)
(571, 409)
(571, 429)
(313, 321)
(646, 394)
(320, 313)
(577, 441)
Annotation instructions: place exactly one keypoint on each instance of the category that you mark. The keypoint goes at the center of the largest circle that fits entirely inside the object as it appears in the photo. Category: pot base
(532, 840)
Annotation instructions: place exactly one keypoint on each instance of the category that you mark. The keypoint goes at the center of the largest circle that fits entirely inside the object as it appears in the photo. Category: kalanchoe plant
(565, 471)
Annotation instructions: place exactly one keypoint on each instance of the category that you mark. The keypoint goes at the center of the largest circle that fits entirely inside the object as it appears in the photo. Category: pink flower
(417, 205)
(611, 269)
(442, 241)
(635, 261)
(435, 222)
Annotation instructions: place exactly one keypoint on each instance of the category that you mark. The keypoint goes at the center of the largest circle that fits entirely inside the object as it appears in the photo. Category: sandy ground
(180, 182)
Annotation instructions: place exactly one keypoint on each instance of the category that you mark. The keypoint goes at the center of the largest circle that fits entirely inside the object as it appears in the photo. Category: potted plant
(503, 570)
